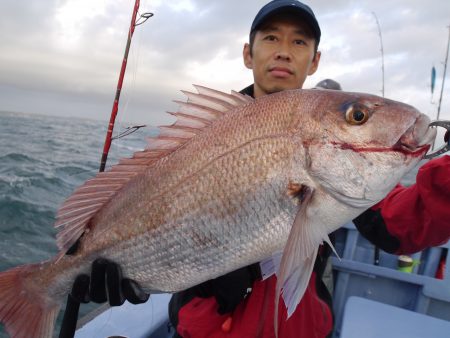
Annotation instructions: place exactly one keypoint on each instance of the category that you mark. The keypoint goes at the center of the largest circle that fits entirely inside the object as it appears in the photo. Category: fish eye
(357, 114)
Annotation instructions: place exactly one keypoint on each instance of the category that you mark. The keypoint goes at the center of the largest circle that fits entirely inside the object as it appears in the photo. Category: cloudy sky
(62, 57)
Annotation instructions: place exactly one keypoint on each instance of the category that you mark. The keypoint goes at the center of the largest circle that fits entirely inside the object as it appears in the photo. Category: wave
(16, 158)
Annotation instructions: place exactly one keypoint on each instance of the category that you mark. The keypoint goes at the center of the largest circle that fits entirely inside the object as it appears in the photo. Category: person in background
(328, 84)
(282, 51)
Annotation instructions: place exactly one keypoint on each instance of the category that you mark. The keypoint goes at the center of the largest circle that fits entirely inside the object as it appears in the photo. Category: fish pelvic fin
(193, 116)
(23, 309)
(298, 257)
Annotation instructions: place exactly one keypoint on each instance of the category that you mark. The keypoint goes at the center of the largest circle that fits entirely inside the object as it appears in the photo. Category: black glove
(105, 284)
(230, 289)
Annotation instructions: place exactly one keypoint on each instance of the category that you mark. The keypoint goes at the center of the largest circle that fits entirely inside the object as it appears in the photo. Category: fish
(231, 182)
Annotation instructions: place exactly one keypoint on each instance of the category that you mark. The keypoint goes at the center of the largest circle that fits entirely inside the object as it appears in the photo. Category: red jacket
(419, 216)
(409, 219)
(313, 318)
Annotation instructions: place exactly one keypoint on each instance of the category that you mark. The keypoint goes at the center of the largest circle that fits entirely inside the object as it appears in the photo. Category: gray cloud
(70, 67)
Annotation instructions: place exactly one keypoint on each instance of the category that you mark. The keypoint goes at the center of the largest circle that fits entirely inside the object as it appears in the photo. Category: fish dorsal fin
(199, 112)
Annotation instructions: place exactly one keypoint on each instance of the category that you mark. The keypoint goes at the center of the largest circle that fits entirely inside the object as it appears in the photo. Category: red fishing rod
(144, 17)
(69, 321)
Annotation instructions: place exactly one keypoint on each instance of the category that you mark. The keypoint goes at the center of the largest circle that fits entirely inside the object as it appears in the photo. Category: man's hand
(105, 284)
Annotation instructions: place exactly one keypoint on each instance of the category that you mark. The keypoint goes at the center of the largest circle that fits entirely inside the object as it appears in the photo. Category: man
(282, 51)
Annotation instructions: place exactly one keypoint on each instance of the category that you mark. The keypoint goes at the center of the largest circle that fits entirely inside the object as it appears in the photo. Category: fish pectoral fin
(295, 284)
(328, 241)
(299, 255)
(270, 265)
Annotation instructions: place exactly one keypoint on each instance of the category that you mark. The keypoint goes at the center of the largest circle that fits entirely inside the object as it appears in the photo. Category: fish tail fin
(24, 310)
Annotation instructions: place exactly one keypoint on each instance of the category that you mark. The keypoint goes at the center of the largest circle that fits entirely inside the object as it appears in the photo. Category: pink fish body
(233, 181)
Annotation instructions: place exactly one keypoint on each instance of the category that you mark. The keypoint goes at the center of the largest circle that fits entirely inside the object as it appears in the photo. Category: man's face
(282, 56)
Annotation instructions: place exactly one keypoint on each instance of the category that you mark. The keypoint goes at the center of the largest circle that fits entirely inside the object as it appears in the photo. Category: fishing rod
(382, 53)
(443, 77)
(142, 18)
(376, 256)
(69, 321)
(446, 125)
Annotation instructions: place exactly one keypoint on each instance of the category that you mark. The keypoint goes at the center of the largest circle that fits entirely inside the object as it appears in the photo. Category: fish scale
(223, 188)
(196, 211)
(210, 230)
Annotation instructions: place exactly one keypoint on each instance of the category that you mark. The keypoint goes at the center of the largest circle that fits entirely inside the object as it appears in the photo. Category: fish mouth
(417, 140)
(419, 150)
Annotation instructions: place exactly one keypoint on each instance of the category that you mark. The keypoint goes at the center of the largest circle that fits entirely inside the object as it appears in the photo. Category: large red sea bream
(233, 181)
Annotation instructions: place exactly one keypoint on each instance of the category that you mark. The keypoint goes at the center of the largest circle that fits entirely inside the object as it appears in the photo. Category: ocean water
(42, 160)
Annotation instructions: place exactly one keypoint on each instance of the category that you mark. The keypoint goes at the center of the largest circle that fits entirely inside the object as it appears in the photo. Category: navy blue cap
(303, 11)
